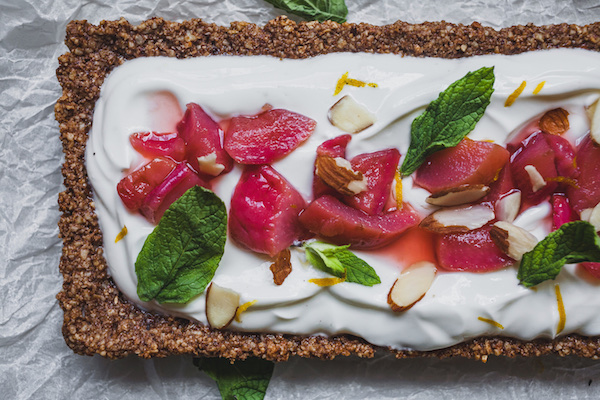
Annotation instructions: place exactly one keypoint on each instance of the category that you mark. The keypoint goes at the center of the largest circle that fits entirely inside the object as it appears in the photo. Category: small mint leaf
(574, 242)
(449, 118)
(180, 256)
(341, 262)
(319, 10)
(243, 380)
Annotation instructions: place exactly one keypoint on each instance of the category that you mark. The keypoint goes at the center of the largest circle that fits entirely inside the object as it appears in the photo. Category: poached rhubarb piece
(264, 210)
(341, 224)
(472, 251)
(379, 168)
(335, 147)
(266, 137)
(470, 162)
(170, 189)
(134, 188)
(587, 192)
(157, 144)
(562, 212)
(203, 138)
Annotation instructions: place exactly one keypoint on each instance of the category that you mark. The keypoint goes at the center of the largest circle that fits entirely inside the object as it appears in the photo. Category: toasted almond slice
(350, 116)
(555, 122)
(411, 285)
(456, 196)
(507, 208)
(338, 173)
(537, 180)
(594, 114)
(458, 219)
(513, 240)
(209, 165)
(592, 215)
(221, 306)
(282, 266)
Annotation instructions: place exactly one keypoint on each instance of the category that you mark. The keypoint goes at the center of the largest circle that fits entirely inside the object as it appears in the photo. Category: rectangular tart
(98, 318)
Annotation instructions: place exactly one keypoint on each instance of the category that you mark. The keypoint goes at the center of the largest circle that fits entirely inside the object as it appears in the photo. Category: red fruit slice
(587, 195)
(202, 136)
(530, 128)
(134, 188)
(379, 168)
(264, 211)
(564, 156)
(156, 144)
(341, 224)
(470, 162)
(503, 185)
(335, 147)
(173, 187)
(266, 137)
(561, 211)
(593, 268)
(472, 251)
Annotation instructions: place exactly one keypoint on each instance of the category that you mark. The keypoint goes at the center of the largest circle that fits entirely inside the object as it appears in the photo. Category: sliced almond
(221, 306)
(411, 286)
(594, 114)
(537, 180)
(507, 208)
(282, 266)
(338, 173)
(350, 116)
(456, 196)
(592, 215)
(458, 219)
(209, 165)
(555, 122)
(513, 240)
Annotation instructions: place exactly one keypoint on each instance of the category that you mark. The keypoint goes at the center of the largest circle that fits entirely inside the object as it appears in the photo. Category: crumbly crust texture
(97, 317)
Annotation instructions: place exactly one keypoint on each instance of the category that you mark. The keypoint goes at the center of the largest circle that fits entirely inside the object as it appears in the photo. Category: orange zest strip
(121, 234)
(398, 190)
(371, 84)
(539, 87)
(344, 80)
(323, 282)
(491, 322)
(564, 179)
(340, 84)
(511, 99)
(562, 317)
(242, 309)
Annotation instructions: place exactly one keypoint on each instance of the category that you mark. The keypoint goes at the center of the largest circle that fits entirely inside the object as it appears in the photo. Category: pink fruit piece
(500, 187)
(203, 137)
(527, 130)
(156, 144)
(340, 224)
(264, 210)
(470, 162)
(173, 187)
(266, 137)
(593, 268)
(472, 251)
(561, 211)
(335, 147)
(134, 188)
(534, 151)
(564, 154)
(587, 194)
(379, 168)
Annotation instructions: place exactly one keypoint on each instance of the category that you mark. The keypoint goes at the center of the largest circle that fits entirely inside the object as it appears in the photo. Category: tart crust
(97, 317)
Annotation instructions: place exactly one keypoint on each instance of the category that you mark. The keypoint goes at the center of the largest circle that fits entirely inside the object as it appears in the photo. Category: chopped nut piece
(338, 173)
(458, 219)
(555, 122)
(282, 266)
(514, 241)
(507, 208)
(208, 164)
(221, 306)
(456, 196)
(350, 116)
(411, 286)
(537, 180)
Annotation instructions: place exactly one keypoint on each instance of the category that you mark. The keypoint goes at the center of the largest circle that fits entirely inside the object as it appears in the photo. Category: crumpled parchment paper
(35, 363)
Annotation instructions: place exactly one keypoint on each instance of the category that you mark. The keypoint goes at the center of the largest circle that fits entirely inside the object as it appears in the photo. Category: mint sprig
(180, 256)
(573, 242)
(449, 118)
(243, 380)
(319, 10)
(341, 262)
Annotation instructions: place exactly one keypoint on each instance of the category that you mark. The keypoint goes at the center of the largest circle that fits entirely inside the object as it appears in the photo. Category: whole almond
(459, 195)
(282, 266)
(555, 122)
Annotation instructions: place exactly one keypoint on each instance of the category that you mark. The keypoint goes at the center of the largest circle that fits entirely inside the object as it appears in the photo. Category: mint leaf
(320, 10)
(244, 380)
(449, 118)
(341, 262)
(180, 256)
(574, 242)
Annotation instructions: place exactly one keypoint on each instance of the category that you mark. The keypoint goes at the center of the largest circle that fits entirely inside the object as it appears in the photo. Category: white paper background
(35, 363)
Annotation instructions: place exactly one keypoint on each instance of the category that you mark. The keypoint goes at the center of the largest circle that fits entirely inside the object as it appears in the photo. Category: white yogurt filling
(225, 86)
